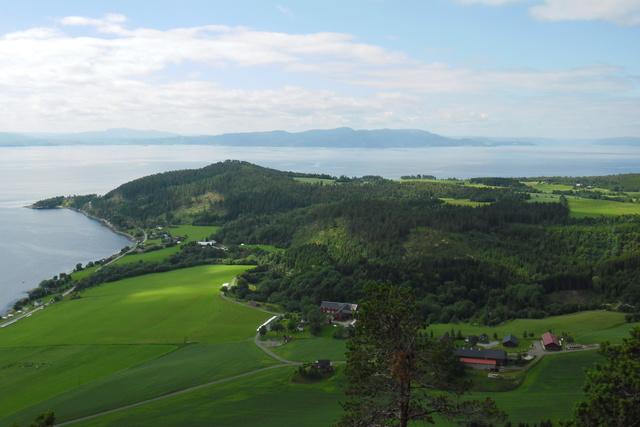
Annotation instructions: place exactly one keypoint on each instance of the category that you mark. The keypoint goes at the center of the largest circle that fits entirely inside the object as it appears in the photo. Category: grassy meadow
(126, 341)
(587, 327)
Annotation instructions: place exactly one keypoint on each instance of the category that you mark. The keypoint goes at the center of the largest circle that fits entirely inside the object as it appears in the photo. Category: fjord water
(39, 244)
(35, 245)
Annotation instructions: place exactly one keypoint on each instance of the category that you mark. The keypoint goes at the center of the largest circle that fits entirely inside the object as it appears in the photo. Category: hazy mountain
(331, 138)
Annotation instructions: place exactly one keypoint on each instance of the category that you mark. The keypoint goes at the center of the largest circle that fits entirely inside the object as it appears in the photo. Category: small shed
(510, 341)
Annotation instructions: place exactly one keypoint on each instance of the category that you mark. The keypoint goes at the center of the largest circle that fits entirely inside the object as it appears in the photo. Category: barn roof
(481, 354)
(478, 361)
(549, 339)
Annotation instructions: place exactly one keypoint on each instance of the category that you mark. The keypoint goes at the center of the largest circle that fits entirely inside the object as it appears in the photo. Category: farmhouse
(510, 341)
(550, 342)
(481, 359)
(339, 310)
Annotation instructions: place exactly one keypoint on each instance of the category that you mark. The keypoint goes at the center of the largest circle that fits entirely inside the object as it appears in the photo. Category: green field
(587, 327)
(191, 233)
(308, 180)
(463, 202)
(125, 341)
(594, 207)
(550, 389)
(307, 348)
(267, 399)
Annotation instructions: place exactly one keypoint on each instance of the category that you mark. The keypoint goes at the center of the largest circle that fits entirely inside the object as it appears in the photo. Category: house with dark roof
(481, 359)
(550, 342)
(339, 310)
(510, 341)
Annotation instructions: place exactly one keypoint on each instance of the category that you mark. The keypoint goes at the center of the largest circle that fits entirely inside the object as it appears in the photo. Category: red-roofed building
(478, 363)
(550, 342)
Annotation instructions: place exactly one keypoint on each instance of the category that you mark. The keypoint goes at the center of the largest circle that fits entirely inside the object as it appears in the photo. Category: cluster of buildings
(339, 311)
(493, 358)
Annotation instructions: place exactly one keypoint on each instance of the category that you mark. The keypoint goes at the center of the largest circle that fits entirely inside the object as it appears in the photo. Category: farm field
(550, 389)
(125, 341)
(581, 208)
(191, 232)
(185, 367)
(266, 399)
(587, 327)
(463, 202)
(307, 348)
(309, 180)
(58, 369)
(173, 307)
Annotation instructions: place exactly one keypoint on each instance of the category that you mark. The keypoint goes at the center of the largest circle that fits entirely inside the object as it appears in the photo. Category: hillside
(509, 249)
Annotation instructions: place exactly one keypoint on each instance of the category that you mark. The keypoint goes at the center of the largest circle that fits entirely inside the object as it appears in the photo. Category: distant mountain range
(329, 138)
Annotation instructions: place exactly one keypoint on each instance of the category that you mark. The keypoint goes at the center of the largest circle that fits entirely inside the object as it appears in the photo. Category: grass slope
(186, 367)
(550, 390)
(173, 307)
(586, 327)
(33, 374)
(267, 399)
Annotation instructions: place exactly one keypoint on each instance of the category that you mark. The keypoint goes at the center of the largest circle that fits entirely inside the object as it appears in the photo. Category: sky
(496, 68)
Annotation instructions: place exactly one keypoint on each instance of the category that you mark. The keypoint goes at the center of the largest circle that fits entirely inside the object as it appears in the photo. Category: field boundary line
(172, 394)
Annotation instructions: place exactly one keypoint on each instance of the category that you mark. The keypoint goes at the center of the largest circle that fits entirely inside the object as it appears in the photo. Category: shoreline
(102, 221)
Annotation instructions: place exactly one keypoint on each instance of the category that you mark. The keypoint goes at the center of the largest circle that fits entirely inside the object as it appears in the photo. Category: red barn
(339, 310)
(550, 342)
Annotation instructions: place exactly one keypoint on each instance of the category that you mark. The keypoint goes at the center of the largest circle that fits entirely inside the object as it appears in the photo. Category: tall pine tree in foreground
(613, 388)
(398, 374)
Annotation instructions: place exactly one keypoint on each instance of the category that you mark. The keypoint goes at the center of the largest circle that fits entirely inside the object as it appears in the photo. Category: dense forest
(508, 257)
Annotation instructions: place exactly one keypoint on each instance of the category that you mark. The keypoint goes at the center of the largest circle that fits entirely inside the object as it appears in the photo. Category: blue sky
(523, 68)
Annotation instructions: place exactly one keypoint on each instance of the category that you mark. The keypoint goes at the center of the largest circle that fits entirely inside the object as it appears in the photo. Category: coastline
(102, 221)
(4, 311)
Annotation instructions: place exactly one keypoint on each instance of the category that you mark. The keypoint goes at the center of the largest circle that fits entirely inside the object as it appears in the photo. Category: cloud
(91, 73)
(622, 12)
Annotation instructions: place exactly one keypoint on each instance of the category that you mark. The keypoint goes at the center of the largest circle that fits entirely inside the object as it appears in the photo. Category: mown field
(550, 391)
(126, 341)
(587, 327)
(306, 348)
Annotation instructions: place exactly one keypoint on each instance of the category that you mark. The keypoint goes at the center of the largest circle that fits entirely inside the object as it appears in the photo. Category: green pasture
(550, 390)
(547, 187)
(173, 307)
(463, 202)
(308, 180)
(127, 341)
(307, 348)
(266, 399)
(29, 375)
(587, 327)
(185, 367)
(598, 207)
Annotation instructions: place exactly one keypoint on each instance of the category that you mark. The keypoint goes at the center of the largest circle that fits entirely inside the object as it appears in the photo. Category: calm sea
(38, 244)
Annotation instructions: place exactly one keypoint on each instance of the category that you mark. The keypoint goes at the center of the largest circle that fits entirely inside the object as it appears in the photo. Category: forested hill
(484, 249)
